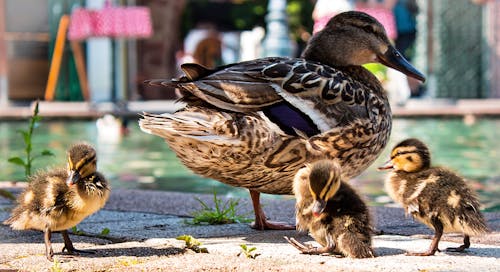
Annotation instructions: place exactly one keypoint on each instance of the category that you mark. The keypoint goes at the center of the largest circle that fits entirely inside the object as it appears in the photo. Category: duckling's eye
(409, 158)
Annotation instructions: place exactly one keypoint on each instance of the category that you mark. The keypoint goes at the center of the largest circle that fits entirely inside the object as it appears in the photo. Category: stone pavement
(143, 226)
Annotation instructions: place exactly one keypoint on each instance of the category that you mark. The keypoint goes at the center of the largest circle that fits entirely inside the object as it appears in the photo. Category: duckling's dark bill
(394, 59)
(73, 178)
(387, 166)
(318, 207)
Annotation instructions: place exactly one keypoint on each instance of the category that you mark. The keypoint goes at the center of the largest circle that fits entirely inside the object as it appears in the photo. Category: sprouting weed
(192, 243)
(248, 251)
(75, 230)
(28, 145)
(223, 213)
(105, 231)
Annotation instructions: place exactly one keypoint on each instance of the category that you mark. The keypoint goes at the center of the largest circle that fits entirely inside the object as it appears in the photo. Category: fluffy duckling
(331, 211)
(59, 199)
(433, 195)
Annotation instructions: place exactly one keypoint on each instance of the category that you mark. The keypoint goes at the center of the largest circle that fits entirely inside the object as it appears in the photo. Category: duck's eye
(368, 28)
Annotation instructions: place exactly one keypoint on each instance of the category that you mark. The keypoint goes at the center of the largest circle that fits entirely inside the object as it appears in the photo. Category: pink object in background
(111, 21)
(80, 25)
(385, 17)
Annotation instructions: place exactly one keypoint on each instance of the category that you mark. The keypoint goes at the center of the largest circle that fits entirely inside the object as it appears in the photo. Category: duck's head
(356, 38)
(411, 155)
(82, 163)
(324, 182)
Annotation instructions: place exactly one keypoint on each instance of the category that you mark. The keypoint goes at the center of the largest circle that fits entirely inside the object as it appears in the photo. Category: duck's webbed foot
(438, 227)
(261, 222)
(49, 252)
(265, 224)
(462, 247)
(309, 249)
(68, 246)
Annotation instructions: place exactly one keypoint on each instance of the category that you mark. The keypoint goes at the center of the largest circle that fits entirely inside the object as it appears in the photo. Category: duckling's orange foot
(308, 249)
(457, 249)
(298, 245)
(50, 256)
(427, 253)
(74, 251)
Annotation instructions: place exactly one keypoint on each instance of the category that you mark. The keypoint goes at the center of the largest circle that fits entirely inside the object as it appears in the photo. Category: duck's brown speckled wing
(327, 96)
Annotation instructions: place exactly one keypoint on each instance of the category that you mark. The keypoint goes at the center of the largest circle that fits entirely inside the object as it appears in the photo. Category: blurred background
(454, 42)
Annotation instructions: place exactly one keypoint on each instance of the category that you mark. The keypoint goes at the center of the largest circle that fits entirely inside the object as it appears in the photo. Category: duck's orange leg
(462, 247)
(68, 245)
(261, 222)
(49, 252)
(438, 227)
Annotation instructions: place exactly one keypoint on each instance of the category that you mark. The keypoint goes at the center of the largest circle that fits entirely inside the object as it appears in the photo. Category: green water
(144, 161)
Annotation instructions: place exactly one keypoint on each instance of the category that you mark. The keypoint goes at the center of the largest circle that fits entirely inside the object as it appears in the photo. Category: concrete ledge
(86, 110)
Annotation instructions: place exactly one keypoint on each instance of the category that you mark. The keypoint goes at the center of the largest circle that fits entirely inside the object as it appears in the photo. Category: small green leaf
(36, 119)
(17, 160)
(47, 152)
(105, 231)
(26, 136)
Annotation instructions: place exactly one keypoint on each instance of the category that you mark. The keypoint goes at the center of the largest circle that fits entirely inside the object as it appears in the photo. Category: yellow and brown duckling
(333, 213)
(242, 123)
(435, 196)
(59, 199)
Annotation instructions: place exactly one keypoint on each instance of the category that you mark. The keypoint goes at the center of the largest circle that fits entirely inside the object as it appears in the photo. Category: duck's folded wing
(293, 93)
(239, 87)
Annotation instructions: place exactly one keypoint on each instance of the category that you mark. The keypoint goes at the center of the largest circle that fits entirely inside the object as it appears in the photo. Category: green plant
(76, 231)
(248, 251)
(192, 243)
(28, 145)
(223, 213)
(105, 231)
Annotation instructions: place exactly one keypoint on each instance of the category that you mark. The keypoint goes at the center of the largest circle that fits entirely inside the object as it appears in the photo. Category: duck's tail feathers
(355, 245)
(17, 221)
(193, 125)
(472, 220)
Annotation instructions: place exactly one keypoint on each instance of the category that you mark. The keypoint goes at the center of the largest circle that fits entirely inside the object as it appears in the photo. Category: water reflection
(144, 161)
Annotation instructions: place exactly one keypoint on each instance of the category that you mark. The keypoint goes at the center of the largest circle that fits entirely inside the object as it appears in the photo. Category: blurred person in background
(405, 13)
(394, 82)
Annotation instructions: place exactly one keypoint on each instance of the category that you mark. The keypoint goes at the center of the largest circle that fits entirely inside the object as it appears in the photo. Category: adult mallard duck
(59, 199)
(331, 211)
(253, 124)
(435, 196)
